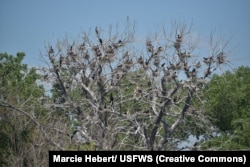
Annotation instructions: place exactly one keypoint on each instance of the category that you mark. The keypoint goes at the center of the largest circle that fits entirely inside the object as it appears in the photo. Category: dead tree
(118, 98)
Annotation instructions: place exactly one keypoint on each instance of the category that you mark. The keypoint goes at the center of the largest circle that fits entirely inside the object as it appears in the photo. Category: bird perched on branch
(100, 40)
(111, 98)
(118, 44)
(97, 51)
(220, 58)
(178, 66)
(109, 49)
(82, 46)
(179, 38)
(51, 51)
(140, 60)
(149, 46)
(61, 60)
(146, 64)
(207, 73)
(160, 49)
(194, 72)
(70, 51)
(208, 60)
(175, 99)
(177, 43)
(174, 75)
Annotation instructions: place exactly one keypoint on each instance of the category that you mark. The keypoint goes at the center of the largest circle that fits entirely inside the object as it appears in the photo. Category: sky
(29, 25)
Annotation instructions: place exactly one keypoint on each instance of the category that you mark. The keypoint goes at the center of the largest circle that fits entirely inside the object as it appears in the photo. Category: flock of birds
(100, 69)
(92, 62)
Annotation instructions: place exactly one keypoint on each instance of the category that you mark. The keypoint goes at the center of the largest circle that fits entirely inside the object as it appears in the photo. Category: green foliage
(229, 109)
(17, 81)
(83, 147)
(17, 87)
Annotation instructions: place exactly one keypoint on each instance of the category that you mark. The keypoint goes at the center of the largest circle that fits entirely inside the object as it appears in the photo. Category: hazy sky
(29, 25)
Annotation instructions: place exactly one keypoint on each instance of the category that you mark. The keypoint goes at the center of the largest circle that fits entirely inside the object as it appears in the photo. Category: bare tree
(113, 93)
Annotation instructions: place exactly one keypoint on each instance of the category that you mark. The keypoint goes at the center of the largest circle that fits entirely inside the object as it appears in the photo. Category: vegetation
(109, 92)
(18, 103)
(228, 109)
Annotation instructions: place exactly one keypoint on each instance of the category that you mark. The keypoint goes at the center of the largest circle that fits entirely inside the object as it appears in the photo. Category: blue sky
(29, 25)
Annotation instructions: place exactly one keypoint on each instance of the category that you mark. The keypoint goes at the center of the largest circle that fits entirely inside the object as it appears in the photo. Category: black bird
(175, 99)
(178, 66)
(100, 40)
(220, 58)
(207, 73)
(145, 65)
(51, 51)
(119, 66)
(111, 98)
(118, 44)
(171, 66)
(194, 72)
(208, 60)
(178, 40)
(140, 60)
(162, 65)
(149, 46)
(160, 49)
(78, 110)
(70, 51)
(205, 58)
(61, 60)
(82, 46)
(174, 75)
(93, 76)
(149, 83)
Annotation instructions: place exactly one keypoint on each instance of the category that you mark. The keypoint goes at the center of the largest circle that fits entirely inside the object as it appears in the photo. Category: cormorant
(51, 51)
(100, 40)
(111, 98)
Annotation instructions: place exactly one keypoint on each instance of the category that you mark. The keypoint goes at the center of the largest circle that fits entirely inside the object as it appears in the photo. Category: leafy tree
(228, 108)
(18, 88)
